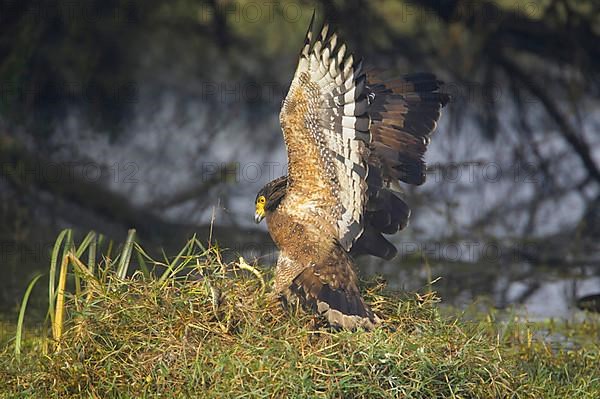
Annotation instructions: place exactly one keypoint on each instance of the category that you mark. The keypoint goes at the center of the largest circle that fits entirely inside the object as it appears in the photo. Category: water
(534, 292)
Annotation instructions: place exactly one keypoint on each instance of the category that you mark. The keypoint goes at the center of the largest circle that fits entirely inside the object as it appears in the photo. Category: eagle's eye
(262, 199)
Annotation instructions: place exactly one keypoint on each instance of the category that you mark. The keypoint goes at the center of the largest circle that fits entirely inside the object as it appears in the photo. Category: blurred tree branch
(555, 34)
(28, 173)
(197, 192)
(569, 133)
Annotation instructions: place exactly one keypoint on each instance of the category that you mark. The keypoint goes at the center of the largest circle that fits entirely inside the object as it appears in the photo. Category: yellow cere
(260, 205)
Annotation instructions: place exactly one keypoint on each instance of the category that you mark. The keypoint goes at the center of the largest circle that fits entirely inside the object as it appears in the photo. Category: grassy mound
(214, 331)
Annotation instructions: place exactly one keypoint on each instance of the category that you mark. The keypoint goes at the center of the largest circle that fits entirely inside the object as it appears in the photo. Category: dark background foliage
(162, 115)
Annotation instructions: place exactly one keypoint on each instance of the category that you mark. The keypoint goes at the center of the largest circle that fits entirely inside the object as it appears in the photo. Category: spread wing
(404, 113)
(326, 128)
(351, 138)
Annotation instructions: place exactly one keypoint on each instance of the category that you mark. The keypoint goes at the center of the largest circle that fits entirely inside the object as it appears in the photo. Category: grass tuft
(21, 320)
(192, 326)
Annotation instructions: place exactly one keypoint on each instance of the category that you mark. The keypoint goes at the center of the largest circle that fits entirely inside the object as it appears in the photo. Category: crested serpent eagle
(351, 137)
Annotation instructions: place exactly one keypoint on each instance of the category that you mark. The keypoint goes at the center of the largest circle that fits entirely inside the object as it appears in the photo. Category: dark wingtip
(312, 19)
(311, 24)
(446, 98)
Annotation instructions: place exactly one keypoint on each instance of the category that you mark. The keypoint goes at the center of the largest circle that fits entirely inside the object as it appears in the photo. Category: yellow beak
(259, 214)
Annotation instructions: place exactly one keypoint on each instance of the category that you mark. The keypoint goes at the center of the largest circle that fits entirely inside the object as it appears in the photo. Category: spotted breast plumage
(351, 138)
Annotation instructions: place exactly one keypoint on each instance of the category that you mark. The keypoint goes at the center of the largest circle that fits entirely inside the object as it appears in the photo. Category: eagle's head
(269, 197)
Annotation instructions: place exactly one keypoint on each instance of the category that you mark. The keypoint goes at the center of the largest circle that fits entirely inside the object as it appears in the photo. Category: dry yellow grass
(202, 328)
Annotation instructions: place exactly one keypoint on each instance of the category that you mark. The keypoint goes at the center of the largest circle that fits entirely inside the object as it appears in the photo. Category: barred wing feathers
(404, 113)
(336, 115)
(370, 134)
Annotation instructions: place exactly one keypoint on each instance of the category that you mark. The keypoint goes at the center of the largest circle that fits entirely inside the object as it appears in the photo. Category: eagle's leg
(285, 271)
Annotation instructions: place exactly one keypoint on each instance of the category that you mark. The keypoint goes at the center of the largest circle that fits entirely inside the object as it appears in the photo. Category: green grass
(191, 326)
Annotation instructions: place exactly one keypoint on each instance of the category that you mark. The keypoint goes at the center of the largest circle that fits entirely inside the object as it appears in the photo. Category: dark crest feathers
(273, 192)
